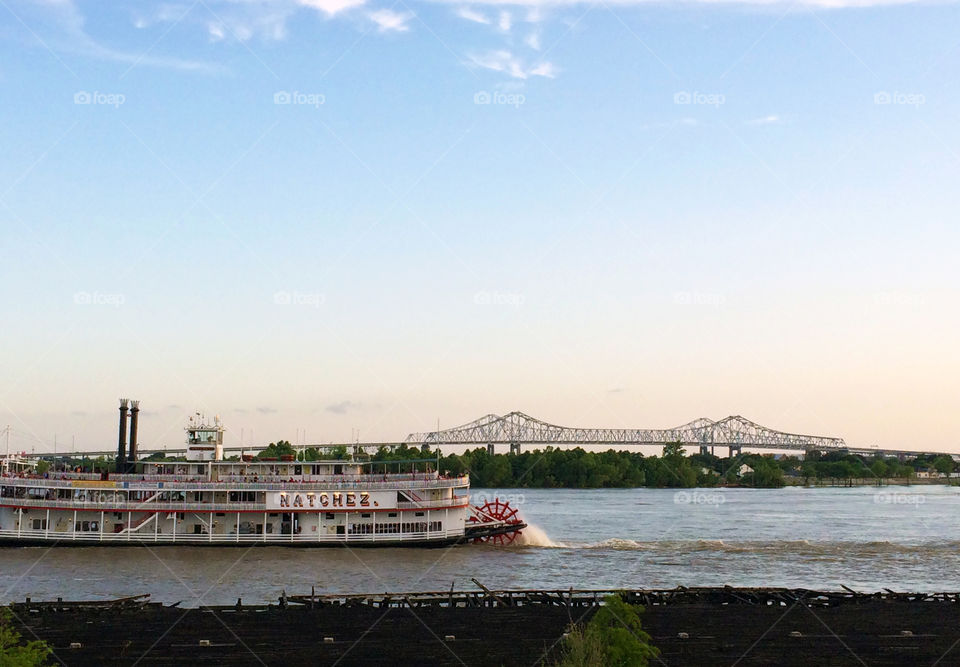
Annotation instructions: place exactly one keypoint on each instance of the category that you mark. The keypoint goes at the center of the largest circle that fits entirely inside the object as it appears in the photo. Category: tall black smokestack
(122, 444)
(134, 417)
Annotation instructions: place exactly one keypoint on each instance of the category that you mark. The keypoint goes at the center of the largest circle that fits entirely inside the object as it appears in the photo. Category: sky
(336, 219)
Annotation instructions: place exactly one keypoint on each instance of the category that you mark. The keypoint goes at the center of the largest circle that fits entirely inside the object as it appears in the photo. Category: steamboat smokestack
(134, 418)
(122, 444)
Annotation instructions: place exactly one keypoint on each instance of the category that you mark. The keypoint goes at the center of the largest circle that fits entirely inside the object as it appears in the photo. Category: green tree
(614, 637)
(943, 464)
(13, 652)
(277, 449)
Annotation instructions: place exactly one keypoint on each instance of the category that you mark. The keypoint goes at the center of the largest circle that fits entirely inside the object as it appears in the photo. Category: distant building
(744, 469)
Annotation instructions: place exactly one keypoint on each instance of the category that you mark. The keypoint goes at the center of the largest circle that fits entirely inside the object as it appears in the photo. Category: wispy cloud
(472, 15)
(544, 69)
(388, 20)
(772, 119)
(504, 61)
(342, 408)
(266, 410)
(60, 27)
(533, 41)
(824, 4)
(216, 32)
(331, 7)
(505, 21)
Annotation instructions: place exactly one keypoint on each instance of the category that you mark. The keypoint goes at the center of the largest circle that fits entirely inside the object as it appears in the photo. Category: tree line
(578, 468)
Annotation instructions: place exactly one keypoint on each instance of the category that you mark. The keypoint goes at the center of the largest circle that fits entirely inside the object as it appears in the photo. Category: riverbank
(689, 626)
(892, 481)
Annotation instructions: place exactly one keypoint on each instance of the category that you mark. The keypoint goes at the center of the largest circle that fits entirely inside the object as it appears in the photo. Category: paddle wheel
(495, 523)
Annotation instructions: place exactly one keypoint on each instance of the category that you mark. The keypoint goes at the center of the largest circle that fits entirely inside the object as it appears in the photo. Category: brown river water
(867, 538)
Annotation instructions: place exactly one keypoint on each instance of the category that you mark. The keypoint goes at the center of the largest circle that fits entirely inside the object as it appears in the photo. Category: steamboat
(207, 500)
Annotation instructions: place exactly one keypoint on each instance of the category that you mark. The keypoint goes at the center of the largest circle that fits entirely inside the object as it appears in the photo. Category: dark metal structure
(515, 428)
(122, 442)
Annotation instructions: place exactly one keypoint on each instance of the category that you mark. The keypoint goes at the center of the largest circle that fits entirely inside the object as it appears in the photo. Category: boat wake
(533, 536)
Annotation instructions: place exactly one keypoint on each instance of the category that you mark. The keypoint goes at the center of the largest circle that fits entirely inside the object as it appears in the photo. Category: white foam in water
(534, 536)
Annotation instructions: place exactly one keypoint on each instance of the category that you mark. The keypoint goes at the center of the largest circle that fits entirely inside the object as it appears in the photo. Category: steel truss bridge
(516, 429)
(734, 432)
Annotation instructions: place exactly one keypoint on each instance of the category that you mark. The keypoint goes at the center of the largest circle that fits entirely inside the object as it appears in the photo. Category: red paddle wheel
(497, 511)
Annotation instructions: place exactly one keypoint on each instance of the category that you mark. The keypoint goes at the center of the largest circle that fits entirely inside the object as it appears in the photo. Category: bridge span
(734, 433)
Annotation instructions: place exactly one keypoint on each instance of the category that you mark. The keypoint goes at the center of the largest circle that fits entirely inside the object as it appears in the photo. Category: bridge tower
(490, 449)
(515, 448)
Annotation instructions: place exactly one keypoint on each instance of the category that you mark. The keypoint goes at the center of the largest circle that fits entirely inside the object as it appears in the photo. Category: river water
(902, 538)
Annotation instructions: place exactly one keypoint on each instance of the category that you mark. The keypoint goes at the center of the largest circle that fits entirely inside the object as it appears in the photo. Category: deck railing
(333, 482)
(227, 538)
(135, 506)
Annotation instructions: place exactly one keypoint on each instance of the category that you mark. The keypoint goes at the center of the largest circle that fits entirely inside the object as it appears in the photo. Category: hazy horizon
(342, 216)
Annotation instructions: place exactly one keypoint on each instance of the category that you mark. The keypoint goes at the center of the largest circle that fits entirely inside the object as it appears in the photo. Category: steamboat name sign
(329, 500)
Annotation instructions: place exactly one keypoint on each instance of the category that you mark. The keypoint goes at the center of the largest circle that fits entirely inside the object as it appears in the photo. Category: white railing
(335, 482)
(113, 506)
(154, 506)
(456, 501)
(279, 539)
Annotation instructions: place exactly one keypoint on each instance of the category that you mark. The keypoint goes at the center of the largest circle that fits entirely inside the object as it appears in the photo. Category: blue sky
(332, 215)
